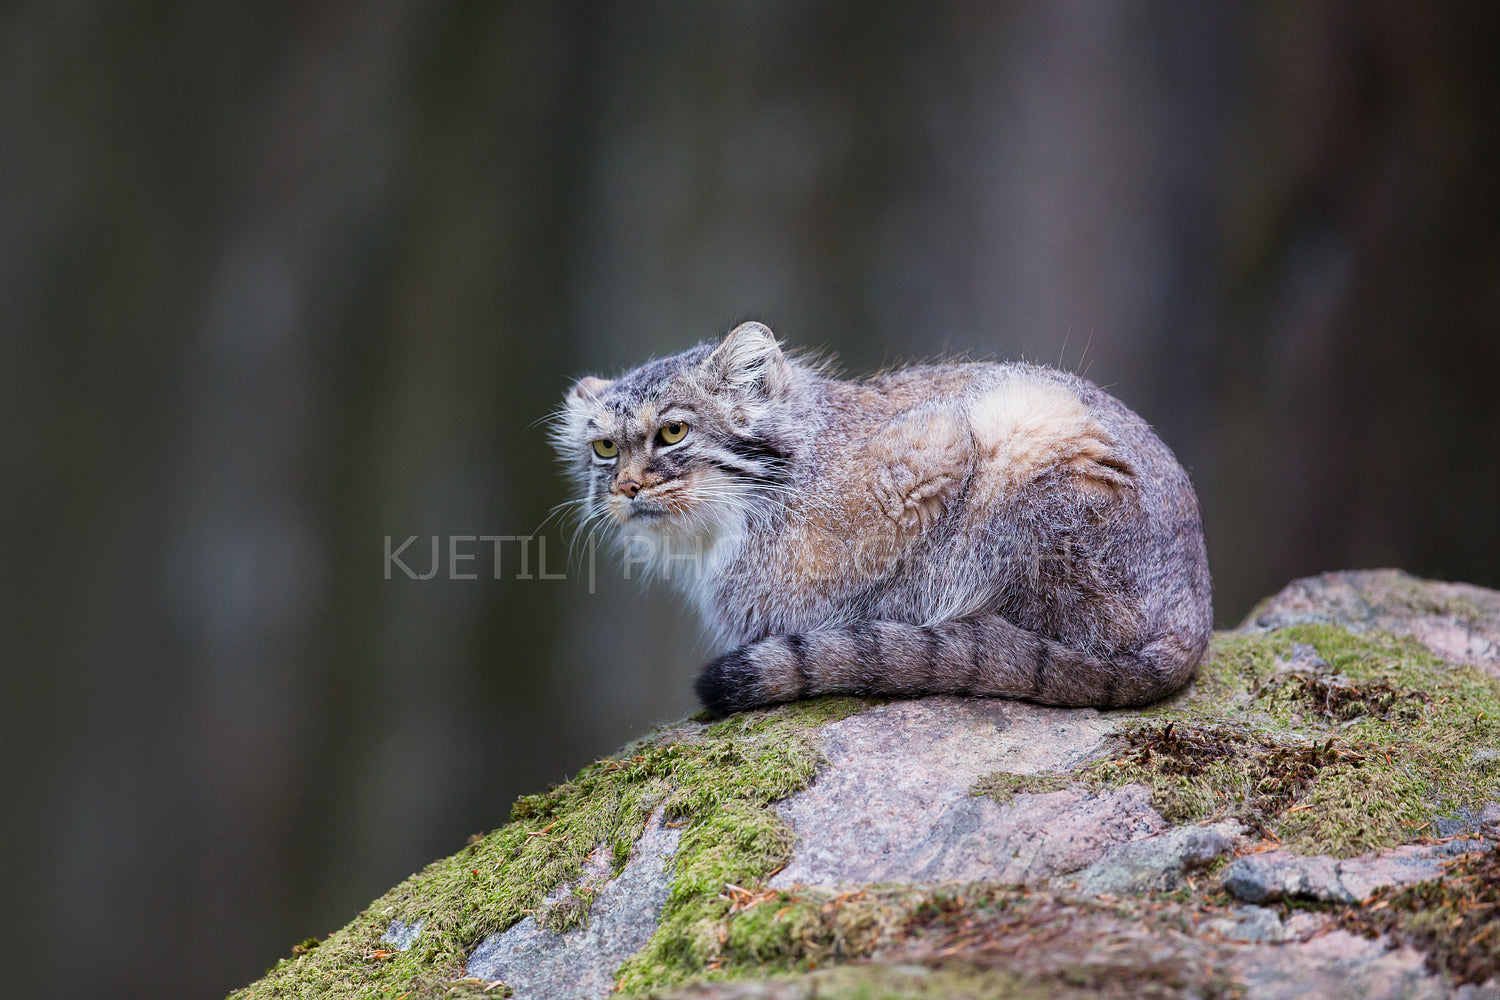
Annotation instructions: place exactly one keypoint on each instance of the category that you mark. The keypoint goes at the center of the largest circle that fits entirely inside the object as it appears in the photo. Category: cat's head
(678, 447)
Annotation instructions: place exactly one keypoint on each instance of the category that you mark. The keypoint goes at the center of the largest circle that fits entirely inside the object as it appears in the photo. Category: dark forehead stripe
(638, 383)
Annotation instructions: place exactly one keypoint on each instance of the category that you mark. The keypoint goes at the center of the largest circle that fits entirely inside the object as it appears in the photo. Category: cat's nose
(629, 487)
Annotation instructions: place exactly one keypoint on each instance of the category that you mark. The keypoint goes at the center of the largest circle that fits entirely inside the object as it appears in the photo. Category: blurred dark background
(282, 280)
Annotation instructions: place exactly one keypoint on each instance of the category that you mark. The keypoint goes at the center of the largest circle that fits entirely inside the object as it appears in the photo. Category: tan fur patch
(817, 552)
(1107, 477)
(1024, 428)
(911, 467)
(931, 451)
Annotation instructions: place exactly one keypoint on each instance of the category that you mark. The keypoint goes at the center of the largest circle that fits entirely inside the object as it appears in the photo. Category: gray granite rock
(1472, 822)
(1258, 878)
(580, 964)
(1457, 621)
(893, 803)
(403, 935)
(1334, 966)
(1251, 924)
(1157, 862)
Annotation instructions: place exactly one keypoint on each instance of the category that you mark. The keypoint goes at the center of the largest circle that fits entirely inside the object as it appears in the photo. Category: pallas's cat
(980, 529)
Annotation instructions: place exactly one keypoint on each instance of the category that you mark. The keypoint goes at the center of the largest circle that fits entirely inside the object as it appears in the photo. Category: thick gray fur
(983, 529)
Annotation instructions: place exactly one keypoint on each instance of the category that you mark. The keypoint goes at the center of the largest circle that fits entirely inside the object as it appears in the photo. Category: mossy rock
(1321, 740)
(783, 875)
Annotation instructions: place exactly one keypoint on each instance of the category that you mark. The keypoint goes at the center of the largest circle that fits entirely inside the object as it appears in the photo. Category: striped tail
(986, 655)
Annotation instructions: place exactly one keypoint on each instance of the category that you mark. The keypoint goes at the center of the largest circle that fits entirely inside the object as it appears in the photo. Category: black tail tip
(727, 684)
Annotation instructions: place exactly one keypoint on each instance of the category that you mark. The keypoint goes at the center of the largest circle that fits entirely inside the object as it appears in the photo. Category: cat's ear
(588, 389)
(749, 360)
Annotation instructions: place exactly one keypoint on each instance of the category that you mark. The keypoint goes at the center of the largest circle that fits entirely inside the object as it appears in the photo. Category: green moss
(1047, 943)
(717, 780)
(457, 989)
(894, 941)
(878, 981)
(1361, 751)
(1195, 772)
(754, 932)
(1002, 786)
(720, 915)
(570, 911)
(1327, 741)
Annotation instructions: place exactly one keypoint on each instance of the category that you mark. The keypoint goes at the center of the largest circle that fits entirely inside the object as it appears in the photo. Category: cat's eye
(673, 432)
(606, 448)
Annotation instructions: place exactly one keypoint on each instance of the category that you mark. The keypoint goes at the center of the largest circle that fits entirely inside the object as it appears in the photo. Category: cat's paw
(729, 683)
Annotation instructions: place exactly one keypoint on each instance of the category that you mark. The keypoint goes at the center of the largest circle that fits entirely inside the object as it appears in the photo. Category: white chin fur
(681, 547)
